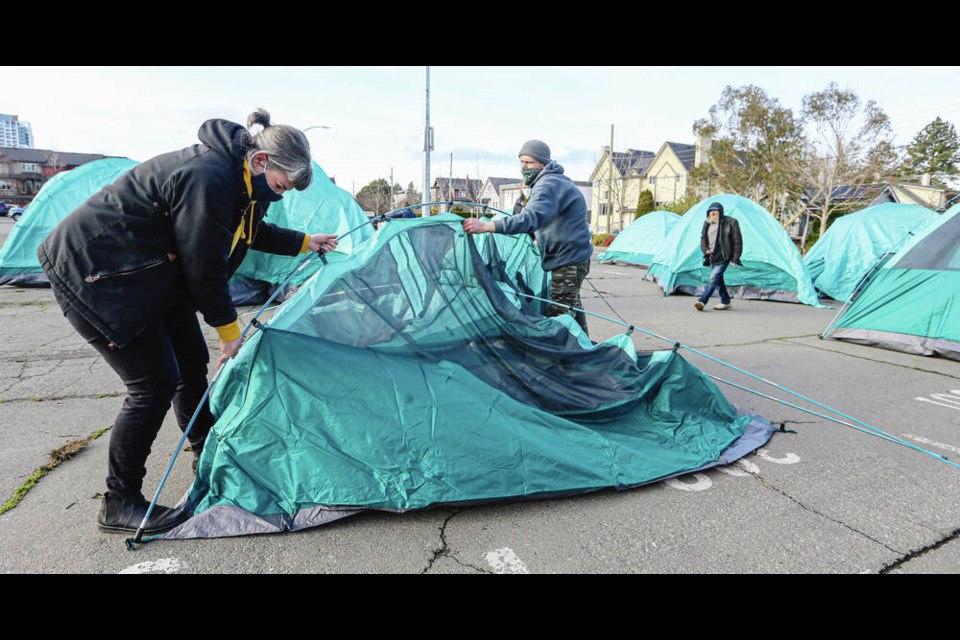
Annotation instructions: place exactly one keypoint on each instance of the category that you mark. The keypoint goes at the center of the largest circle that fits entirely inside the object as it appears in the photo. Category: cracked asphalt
(828, 498)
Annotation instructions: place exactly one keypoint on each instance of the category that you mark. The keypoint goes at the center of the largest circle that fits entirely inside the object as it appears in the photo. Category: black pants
(166, 363)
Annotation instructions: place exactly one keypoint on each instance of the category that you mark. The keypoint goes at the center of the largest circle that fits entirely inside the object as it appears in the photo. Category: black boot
(120, 514)
(196, 458)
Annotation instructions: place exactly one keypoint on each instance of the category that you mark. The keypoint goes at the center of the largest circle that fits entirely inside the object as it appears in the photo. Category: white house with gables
(620, 177)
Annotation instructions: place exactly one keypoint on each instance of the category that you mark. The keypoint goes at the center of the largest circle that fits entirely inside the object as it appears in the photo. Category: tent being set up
(772, 268)
(323, 207)
(912, 303)
(853, 244)
(642, 239)
(411, 374)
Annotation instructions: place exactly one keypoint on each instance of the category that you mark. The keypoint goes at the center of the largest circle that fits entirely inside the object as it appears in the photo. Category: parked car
(16, 212)
(4, 208)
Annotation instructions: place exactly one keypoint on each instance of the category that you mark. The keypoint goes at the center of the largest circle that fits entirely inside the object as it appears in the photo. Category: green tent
(323, 207)
(642, 239)
(410, 375)
(60, 195)
(772, 267)
(912, 303)
(853, 244)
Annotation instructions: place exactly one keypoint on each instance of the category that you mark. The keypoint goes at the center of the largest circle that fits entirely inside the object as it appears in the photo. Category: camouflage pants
(565, 289)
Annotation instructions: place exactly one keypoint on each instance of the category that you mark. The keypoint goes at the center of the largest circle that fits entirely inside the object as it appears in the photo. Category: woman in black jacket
(132, 265)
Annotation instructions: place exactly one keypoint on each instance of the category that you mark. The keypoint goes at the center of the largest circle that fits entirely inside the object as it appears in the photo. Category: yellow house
(666, 177)
(617, 184)
(616, 188)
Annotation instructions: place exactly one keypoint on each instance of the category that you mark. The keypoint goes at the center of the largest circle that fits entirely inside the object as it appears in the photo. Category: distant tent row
(898, 264)
(323, 207)
(912, 303)
(853, 244)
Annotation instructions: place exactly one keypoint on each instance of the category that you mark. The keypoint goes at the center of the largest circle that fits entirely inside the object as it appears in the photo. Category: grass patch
(57, 457)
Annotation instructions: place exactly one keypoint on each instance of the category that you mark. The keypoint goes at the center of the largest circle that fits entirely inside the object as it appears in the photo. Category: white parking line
(164, 565)
(702, 483)
(504, 560)
(790, 458)
(948, 447)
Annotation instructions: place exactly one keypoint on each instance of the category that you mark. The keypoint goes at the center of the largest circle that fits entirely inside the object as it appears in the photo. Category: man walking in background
(722, 244)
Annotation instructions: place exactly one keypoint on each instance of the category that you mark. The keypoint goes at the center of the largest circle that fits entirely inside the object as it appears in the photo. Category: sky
(370, 120)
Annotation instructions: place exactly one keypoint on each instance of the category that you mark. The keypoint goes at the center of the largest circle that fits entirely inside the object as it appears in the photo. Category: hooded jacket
(163, 229)
(557, 211)
(728, 238)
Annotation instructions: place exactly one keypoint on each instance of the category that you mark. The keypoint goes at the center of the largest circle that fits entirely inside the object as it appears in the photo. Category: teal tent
(323, 207)
(912, 303)
(772, 267)
(410, 375)
(853, 244)
(642, 239)
(60, 195)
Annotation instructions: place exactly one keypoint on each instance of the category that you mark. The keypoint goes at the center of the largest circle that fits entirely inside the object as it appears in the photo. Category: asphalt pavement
(821, 497)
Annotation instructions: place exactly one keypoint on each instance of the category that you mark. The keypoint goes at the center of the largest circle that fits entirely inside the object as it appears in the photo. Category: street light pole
(427, 147)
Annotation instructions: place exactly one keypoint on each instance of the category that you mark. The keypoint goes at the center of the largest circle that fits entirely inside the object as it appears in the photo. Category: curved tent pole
(134, 542)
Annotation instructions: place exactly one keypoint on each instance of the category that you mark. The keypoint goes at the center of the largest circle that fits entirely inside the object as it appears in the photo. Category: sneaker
(119, 514)
(722, 306)
(698, 305)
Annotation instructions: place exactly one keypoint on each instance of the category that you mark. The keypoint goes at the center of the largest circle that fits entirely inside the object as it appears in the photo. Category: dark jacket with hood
(557, 211)
(729, 241)
(163, 229)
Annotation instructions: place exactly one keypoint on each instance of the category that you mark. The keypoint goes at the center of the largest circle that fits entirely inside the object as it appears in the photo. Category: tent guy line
(866, 428)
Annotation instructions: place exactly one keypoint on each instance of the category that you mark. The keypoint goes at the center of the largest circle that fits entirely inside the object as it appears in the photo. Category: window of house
(652, 180)
(6, 185)
(603, 208)
(29, 167)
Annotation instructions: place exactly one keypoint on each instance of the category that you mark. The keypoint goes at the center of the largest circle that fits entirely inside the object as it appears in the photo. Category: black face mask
(261, 190)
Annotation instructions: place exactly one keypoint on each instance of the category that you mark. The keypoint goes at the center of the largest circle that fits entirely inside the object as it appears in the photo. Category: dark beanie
(715, 206)
(537, 150)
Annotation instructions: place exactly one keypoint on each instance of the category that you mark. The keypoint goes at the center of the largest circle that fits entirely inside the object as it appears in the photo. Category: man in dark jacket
(555, 209)
(132, 265)
(722, 244)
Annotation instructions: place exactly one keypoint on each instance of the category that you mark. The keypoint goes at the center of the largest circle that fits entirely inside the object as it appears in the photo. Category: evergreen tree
(645, 203)
(934, 150)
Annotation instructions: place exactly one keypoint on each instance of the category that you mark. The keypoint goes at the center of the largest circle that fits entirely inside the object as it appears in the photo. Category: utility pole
(390, 201)
(450, 184)
(427, 147)
(610, 186)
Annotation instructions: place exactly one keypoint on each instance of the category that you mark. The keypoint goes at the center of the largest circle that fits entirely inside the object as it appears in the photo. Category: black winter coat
(729, 239)
(162, 230)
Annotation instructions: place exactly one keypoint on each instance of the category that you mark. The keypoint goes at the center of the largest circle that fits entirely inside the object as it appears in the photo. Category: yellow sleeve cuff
(230, 331)
(306, 243)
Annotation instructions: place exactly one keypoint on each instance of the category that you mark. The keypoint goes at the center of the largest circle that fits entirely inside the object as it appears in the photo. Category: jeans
(716, 283)
(166, 363)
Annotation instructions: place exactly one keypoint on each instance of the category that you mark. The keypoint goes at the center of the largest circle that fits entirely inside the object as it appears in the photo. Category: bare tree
(376, 196)
(847, 151)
